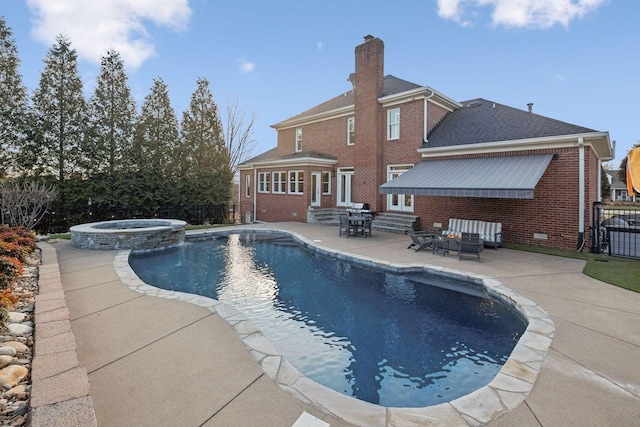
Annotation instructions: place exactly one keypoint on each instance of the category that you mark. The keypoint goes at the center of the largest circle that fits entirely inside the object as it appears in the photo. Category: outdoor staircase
(395, 222)
(327, 216)
(384, 221)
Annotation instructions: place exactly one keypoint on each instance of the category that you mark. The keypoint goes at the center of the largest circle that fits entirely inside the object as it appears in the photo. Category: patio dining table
(357, 221)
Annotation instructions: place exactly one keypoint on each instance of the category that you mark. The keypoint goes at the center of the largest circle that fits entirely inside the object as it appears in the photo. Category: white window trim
(393, 169)
(351, 121)
(281, 183)
(247, 186)
(340, 190)
(322, 182)
(298, 140)
(395, 114)
(297, 181)
(264, 185)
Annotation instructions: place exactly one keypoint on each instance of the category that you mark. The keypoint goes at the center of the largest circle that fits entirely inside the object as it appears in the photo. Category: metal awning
(511, 177)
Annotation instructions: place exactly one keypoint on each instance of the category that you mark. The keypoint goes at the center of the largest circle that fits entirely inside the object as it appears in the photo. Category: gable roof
(392, 85)
(480, 120)
(616, 182)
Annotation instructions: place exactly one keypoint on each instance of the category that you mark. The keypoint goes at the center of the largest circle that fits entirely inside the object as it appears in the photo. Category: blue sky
(577, 60)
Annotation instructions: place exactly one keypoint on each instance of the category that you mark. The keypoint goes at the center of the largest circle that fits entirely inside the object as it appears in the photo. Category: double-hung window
(279, 182)
(298, 139)
(393, 123)
(351, 130)
(326, 182)
(247, 186)
(264, 182)
(296, 182)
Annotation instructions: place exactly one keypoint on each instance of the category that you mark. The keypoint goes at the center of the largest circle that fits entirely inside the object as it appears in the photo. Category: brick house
(409, 149)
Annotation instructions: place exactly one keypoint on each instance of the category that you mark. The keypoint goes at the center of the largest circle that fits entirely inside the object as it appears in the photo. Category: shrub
(7, 299)
(10, 270)
(16, 242)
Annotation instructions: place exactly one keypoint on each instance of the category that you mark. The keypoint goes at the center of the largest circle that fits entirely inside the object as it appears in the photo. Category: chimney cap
(368, 37)
(530, 106)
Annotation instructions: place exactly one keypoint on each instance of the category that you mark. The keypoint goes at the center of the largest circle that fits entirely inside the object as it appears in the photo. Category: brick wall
(553, 210)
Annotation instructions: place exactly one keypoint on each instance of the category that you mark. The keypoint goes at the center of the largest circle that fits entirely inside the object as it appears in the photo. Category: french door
(399, 202)
(316, 184)
(345, 184)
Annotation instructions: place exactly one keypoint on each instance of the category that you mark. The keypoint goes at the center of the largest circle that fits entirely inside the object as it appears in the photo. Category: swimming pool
(365, 333)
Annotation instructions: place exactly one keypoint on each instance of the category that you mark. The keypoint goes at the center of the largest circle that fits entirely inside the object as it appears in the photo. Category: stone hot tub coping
(138, 234)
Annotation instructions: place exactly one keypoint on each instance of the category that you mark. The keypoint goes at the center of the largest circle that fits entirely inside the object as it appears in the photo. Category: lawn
(622, 272)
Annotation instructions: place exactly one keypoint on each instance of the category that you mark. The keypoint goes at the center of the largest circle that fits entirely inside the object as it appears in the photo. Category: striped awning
(511, 177)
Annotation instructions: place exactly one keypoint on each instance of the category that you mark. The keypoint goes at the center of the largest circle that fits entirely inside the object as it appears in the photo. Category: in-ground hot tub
(142, 234)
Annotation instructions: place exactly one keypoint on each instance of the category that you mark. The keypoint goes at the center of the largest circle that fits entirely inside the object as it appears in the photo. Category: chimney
(530, 106)
(369, 75)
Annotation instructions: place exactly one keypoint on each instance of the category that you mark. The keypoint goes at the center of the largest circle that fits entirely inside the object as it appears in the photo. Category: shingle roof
(480, 120)
(272, 155)
(616, 182)
(392, 85)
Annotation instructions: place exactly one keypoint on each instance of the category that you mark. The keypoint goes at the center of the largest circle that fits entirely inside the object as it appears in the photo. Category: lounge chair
(470, 244)
(421, 239)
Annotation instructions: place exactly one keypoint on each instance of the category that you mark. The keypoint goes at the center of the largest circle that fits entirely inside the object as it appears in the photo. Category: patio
(152, 350)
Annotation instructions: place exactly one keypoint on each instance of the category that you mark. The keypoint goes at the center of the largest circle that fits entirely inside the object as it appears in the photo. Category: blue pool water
(384, 338)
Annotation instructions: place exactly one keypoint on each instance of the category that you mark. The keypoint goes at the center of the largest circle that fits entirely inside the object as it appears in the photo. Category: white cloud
(246, 66)
(520, 13)
(559, 77)
(95, 26)
(319, 46)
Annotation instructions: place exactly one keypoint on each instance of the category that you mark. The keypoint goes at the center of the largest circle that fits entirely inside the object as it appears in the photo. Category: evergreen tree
(154, 146)
(14, 102)
(112, 114)
(60, 114)
(205, 157)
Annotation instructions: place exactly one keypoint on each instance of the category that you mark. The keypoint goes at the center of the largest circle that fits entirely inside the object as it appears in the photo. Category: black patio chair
(345, 226)
(470, 244)
(366, 225)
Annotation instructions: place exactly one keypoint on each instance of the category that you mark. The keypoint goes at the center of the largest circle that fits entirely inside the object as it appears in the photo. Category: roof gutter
(426, 115)
(598, 140)
(301, 161)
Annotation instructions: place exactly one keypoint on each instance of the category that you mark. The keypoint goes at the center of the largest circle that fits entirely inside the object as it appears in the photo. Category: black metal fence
(59, 219)
(616, 230)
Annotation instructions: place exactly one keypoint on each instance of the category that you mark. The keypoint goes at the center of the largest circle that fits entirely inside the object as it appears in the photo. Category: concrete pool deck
(156, 361)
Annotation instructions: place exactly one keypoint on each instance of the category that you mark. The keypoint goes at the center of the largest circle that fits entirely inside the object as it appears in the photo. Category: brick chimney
(370, 66)
(369, 123)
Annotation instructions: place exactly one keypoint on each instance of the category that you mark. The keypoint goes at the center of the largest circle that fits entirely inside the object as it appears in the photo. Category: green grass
(60, 236)
(201, 227)
(622, 272)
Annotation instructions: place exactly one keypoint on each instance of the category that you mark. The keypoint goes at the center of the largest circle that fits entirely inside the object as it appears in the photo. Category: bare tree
(238, 134)
(25, 204)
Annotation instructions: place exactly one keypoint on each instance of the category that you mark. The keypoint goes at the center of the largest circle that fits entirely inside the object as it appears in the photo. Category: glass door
(399, 202)
(315, 189)
(345, 183)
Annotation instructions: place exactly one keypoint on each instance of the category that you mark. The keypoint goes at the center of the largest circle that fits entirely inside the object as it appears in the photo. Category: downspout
(426, 116)
(255, 193)
(599, 186)
(240, 211)
(581, 194)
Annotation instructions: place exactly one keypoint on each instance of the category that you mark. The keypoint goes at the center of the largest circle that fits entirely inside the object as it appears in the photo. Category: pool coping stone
(505, 392)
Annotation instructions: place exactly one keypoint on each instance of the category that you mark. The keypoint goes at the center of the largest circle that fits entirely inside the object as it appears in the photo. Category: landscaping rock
(11, 375)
